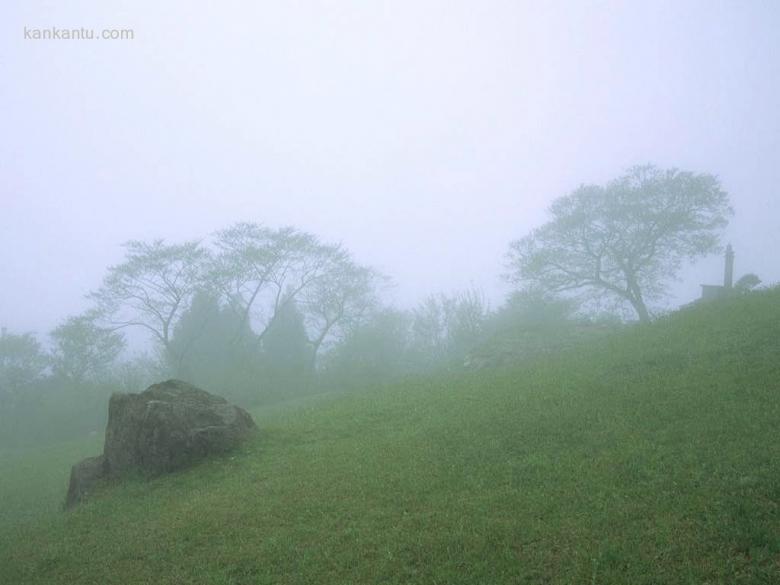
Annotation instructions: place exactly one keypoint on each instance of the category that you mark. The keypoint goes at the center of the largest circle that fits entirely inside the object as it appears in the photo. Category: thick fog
(424, 136)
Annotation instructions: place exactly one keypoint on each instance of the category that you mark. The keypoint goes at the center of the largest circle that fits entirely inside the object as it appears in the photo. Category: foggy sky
(424, 135)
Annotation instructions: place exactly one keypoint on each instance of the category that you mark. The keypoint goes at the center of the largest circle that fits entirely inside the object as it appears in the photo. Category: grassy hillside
(649, 456)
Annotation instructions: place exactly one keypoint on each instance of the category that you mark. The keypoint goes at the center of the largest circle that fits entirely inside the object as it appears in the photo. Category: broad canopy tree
(261, 271)
(180, 292)
(623, 241)
(258, 269)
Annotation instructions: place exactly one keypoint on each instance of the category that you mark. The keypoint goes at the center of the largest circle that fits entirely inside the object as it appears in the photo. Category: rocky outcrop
(168, 426)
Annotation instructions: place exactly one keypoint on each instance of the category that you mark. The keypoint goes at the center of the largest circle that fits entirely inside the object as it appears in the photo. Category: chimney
(728, 277)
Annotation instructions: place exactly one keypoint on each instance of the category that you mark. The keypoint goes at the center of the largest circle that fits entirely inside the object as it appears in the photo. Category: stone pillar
(728, 277)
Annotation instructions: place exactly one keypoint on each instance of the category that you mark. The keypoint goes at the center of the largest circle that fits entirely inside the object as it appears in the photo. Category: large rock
(167, 427)
(170, 426)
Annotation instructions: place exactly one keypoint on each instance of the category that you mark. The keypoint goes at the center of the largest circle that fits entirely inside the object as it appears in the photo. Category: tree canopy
(82, 349)
(624, 241)
(22, 362)
(192, 297)
(153, 287)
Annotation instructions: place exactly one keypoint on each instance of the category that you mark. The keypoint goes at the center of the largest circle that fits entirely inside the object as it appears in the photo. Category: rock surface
(83, 477)
(166, 427)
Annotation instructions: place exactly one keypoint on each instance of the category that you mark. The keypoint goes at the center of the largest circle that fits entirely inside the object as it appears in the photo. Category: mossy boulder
(168, 426)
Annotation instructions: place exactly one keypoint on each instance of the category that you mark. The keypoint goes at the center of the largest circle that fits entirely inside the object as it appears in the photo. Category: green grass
(648, 457)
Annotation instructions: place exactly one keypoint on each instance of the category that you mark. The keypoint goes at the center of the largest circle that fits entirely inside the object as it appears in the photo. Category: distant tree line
(241, 307)
(253, 313)
(258, 313)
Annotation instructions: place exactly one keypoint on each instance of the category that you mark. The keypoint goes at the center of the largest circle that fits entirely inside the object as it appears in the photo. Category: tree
(152, 288)
(286, 350)
(623, 241)
(375, 351)
(259, 269)
(22, 363)
(466, 316)
(444, 328)
(338, 301)
(747, 283)
(536, 310)
(429, 332)
(212, 357)
(82, 349)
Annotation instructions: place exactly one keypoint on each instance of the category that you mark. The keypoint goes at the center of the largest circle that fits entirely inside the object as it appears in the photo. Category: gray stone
(83, 477)
(169, 426)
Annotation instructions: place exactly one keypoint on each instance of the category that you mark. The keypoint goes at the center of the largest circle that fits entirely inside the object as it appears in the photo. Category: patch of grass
(649, 456)
(32, 480)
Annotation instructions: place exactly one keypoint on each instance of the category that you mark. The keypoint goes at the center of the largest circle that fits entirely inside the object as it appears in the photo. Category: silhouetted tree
(259, 269)
(286, 350)
(206, 351)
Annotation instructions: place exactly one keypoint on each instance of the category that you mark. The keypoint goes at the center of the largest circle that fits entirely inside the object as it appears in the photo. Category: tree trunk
(634, 296)
(641, 309)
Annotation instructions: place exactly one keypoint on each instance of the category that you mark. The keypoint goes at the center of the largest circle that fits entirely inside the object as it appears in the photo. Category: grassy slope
(651, 456)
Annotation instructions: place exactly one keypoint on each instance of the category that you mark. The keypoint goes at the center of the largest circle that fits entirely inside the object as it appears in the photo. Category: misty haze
(409, 292)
